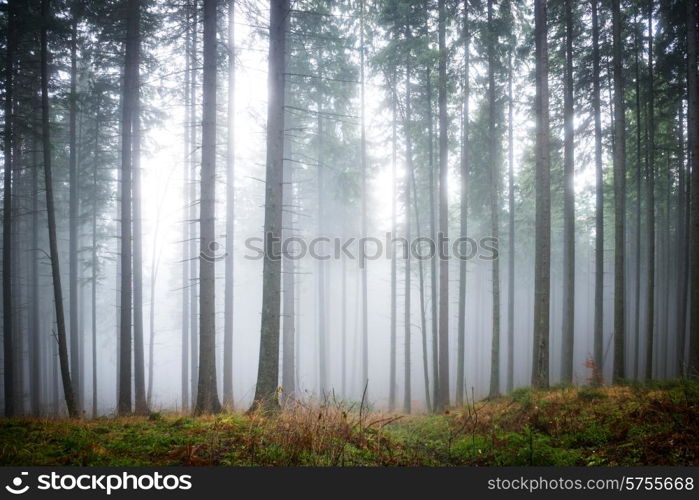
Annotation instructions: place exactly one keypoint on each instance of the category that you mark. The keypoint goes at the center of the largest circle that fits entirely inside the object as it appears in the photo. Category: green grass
(656, 424)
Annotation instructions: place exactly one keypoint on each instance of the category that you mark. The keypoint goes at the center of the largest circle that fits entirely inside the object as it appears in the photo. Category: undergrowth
(655, 424)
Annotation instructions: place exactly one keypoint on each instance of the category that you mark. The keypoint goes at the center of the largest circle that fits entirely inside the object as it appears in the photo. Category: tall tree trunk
(130, 89)
(423, 315)
(207, 392)
(637, 291)
(693, 134)
(38, 367)
(494, 174)
(268, 369)
(461, 343)
(362, 259)
(568, 334)
(650, 204)
(407, 396)
(682, 250)
(542, 248)
(7, 332)
(433, 236)
(599, 205)
(619, 371)
(184, 360)
(394, 198)
(288, 293)
(93, 256)
(320, 290)
(230, 217)
(194, 216)
(141, 406)
(73, 215)
(51, 214)
(511, 232)
(443, 401)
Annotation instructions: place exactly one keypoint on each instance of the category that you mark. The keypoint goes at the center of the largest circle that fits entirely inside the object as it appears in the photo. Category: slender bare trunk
(443, 401)
(268, 369)
(230, 217)
(542, 258)
(568, 334)
(619, 371)
(51, 214)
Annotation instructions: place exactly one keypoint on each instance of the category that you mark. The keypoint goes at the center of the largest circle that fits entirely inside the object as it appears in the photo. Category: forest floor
(655, 424)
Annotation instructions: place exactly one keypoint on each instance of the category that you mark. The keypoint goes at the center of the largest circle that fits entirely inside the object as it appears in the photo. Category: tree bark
(363, 262)
(407, 395)
(207, 392)
(461, 343)
(51, 214)
(494, 177)
(129, 91)
(693, 133)
(268, 369)
(619, 371)
(568, 334)
(141, 403)
(511, 217)
(184, 360)
(73, 215)
(433, 236)
(650, 205)
(7, 330)
(394, 198)
(230, 218)
(442, 239)
(542, 258)
(599, 205)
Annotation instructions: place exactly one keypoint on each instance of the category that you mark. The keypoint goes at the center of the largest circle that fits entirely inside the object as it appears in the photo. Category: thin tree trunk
(394, 197)
(599, 206)
(38, 368)
(193, 215)
(693, 134)
(568, 334)
(407, 396)
(542, 259)
(511, 235)
(494, 174)
(268, 369)
(141, 406)
(73, 215)
(682, 247)
(129, 91)
(619, 371)
(94, 257)
(184, 361)
(433, 236)
(363, 262)
(423, 315)
(637, 309)
(288, 294)
(461, 343)
(443, 401)
(207, 392)
(289, 347)
(650, 202)
(230, 217)
(7, 331)
(51, 214)
(322, 321)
